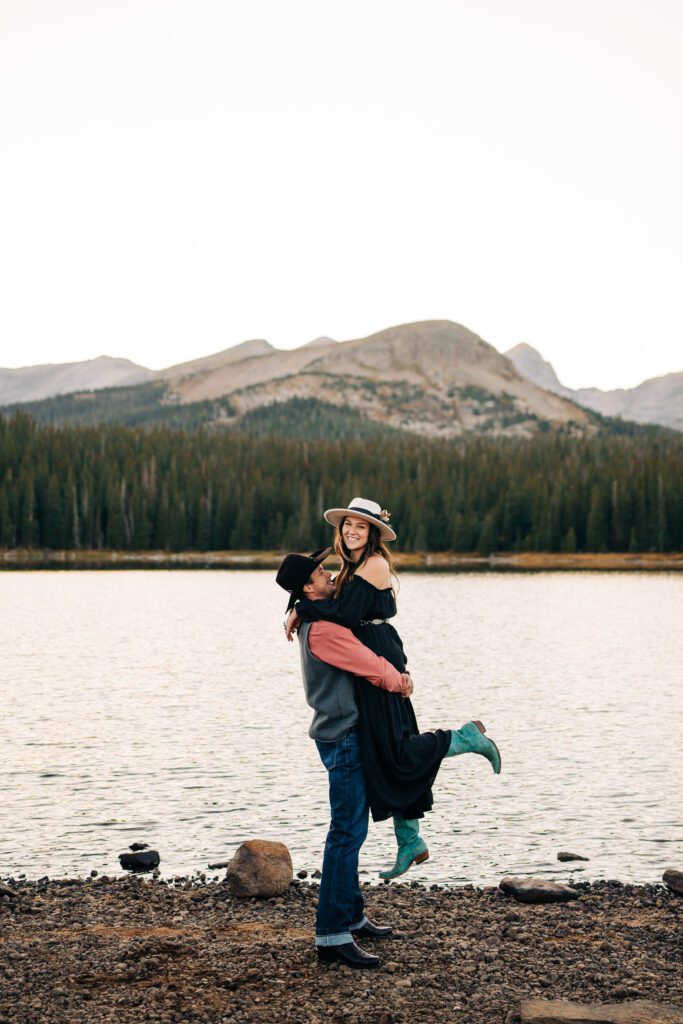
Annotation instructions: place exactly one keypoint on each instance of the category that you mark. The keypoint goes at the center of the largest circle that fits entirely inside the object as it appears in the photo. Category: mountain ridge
(656, 400)
(431, 377)
(45, 380)
(435, 378)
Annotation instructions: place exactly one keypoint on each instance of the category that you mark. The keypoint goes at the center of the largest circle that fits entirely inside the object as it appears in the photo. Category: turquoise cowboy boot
(411, 848)
(471, 740)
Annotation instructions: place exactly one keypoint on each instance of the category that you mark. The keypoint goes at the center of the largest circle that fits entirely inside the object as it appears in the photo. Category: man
(330, 658)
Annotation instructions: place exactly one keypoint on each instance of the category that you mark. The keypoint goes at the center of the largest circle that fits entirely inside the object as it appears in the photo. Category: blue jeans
(340, 902)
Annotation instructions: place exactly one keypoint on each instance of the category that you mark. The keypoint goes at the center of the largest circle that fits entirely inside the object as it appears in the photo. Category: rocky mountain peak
(530, 363)
(658, 400)
(322, 341)
(252, 349)
(423, 351)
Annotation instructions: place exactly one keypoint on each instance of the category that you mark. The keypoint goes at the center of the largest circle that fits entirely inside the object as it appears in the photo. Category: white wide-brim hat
(364, 509)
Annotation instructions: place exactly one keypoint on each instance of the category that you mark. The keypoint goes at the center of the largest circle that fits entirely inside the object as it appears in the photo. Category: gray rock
(559, 1011)
(259, 868)
(537, 890)
(674, 879)
(564, 855)
(143, 860)
(218, 864)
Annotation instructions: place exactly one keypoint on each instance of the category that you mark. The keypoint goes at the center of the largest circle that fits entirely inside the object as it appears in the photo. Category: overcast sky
(178, 176)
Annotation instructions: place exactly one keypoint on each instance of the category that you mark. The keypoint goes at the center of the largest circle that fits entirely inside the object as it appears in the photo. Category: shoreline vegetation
(127, 950)
(445, 561)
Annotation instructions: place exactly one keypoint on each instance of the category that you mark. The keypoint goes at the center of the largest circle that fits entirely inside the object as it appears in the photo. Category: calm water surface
(167, 707)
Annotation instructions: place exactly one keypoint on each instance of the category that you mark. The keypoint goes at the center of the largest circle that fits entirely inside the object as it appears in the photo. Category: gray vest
(329, 691)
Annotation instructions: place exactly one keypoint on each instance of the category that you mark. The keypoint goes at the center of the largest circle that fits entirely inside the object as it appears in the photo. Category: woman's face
(355, 533)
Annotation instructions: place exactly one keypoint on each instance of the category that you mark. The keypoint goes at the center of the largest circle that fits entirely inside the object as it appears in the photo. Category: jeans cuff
(355, 927)
(334, 940)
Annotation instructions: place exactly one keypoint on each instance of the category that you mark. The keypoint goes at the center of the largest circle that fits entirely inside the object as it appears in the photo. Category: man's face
(320, 584)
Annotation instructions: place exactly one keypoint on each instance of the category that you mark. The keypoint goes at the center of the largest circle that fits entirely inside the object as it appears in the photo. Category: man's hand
(292, 623)
(408, 692)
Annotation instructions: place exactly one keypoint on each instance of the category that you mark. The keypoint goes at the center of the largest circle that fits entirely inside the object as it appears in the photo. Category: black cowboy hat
(295, 571)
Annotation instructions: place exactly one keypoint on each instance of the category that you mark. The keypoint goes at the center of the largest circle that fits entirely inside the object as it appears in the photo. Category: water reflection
(166, 707)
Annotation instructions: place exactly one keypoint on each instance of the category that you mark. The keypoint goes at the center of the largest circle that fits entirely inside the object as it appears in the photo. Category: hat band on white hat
(366, 512)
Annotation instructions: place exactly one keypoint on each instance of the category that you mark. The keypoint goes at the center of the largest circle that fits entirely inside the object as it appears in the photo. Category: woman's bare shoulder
(375, 571)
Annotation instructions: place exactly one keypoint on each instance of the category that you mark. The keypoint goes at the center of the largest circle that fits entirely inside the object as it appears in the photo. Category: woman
(400, 763)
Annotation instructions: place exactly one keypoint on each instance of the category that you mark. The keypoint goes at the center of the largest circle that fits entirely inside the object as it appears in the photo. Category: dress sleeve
(352, 605)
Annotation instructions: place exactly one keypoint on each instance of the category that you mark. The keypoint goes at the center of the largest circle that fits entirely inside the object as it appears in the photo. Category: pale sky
(177, 176)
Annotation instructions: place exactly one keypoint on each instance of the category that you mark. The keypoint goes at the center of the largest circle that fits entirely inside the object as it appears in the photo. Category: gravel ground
(127, 949)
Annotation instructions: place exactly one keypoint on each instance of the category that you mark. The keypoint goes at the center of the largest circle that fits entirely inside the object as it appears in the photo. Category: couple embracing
(356, 680)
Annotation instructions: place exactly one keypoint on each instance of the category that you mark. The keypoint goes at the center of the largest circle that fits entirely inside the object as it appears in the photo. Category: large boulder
(674, 879)
(537, 890)
(259, 868)
(559, 1011)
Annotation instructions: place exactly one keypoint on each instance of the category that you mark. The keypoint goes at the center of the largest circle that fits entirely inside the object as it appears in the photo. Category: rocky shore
(129, 949)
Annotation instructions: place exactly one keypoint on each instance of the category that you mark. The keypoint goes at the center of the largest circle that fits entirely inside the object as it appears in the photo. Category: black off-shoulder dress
(400, 763)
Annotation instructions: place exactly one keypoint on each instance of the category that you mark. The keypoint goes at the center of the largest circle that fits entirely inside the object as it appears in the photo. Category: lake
(166, 707)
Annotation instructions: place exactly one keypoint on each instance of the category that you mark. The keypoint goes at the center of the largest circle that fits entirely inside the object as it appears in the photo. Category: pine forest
(131, 489)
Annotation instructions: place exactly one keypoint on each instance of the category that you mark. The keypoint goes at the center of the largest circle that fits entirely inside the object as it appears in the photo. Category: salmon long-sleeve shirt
(337, 646)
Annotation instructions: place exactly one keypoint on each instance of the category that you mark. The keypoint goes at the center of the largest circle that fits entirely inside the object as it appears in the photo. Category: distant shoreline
(531, 561)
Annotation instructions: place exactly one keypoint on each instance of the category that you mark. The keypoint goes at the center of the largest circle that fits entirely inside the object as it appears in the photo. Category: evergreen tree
(662, 524)
(242, 535)
(488, 538)
(28, 526)
(114, 530)
(7, 534)
(420, 541)
(75, 531)
(569, 542)
(53, 527)
(177, 524)
(204, 521)
(596, 527)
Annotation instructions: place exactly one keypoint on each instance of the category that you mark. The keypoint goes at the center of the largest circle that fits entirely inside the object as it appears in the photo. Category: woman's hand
(292, 623)
(408, 692)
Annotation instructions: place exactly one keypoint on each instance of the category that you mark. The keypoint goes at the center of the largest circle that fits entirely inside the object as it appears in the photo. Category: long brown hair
(374, 546)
